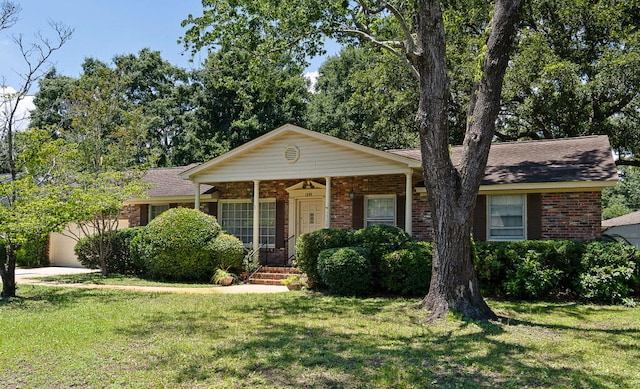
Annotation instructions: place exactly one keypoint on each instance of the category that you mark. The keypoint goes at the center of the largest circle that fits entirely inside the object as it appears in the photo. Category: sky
(103, 29)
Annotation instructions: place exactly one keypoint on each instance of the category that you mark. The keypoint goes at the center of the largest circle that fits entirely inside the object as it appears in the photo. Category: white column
(408, 207)
(327, 203)
(256, 216)
(197, 202)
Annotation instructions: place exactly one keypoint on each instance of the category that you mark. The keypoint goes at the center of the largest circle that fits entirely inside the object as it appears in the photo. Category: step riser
(265, 282)
(289, 270)
(272, 275)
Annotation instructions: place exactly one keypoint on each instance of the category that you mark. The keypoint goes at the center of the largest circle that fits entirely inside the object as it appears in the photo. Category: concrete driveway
(22, 273)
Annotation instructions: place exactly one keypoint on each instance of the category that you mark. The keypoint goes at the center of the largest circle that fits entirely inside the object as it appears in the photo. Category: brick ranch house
(291, 181)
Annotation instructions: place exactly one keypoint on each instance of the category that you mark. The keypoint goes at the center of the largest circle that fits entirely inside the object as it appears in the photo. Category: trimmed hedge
(178, 245)
(407, 271)
(228, 252)
(542, 270)
(346, 270)
(610, 272)
(119, 261)
(380, 240)
(309, 246)
(526, 270)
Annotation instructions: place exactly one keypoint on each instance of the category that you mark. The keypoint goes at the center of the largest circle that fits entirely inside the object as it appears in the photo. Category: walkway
(30, 277)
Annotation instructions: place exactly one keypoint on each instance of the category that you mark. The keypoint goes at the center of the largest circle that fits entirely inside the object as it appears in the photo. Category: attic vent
(292, 154)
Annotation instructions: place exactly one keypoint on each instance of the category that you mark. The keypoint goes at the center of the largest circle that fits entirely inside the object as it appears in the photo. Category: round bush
(608, 272)
(178, 245)
(308, 246)
(407, 271)
(228, 252)
(346, 271)
(380, 240)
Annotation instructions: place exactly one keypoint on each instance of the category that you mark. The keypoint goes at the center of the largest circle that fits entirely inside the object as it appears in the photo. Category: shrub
(407, 271)
(178, 245)
(228, 252)
(608, 272)
(514, 268)
(530, 278)
(346, 271)
(380, 240)
(309, 246)
(119, 261)
(33, 252)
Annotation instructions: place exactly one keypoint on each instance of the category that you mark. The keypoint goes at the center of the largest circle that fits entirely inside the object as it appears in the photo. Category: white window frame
(491, 228)
(163, 207)
(371, 221)
(268, 231)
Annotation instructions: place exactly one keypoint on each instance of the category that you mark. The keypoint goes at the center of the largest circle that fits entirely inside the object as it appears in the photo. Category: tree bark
(452, 189)
(8, 273)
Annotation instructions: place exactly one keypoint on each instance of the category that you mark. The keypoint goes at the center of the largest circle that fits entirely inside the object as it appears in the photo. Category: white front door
(310, 215)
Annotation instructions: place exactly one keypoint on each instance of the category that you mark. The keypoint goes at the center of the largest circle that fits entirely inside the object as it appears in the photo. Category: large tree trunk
(452, 189)
(8, 273)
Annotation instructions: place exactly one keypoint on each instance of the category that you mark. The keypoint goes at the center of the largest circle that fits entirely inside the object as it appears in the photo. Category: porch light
(352, 194)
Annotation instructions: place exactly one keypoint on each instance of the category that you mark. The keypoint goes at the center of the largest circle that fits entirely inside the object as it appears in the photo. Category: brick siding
(573, 215)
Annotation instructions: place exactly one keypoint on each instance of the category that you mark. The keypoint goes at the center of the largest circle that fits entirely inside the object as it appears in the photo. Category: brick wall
(132, 213)
(573, 216)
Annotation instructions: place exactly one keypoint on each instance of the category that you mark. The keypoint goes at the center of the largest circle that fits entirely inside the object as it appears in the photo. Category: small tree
(30, 205)
(97, 200)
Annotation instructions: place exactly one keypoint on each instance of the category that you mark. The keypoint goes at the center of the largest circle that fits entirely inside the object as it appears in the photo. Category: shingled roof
(166, 182)
(624, 220)
(586, 158)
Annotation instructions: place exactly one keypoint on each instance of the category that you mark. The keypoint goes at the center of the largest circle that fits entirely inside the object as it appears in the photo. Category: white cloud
(7, 103)
(313, 77)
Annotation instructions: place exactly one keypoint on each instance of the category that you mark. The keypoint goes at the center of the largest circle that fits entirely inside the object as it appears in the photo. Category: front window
(236, 218)
(156, 210)
(506, 217)
(380, 210)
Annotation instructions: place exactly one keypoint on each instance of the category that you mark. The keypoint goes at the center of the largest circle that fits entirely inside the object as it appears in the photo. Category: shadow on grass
(319, 341)
(46, 297)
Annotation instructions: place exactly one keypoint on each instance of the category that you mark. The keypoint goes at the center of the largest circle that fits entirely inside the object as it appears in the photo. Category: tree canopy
(575, 72)
(366, 97)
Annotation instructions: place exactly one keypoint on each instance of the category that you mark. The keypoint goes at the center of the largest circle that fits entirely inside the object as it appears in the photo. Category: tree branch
(8, 14)
(387, 45)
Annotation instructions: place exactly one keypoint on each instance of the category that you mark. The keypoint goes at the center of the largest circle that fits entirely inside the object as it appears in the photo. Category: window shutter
(213, 210)
(534, 216)
(280, 238)
(401, 202)
(144, 214)
(357, 212)
(480, 218)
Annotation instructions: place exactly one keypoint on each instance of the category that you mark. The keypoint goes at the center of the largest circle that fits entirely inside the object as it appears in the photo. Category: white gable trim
(191, 174)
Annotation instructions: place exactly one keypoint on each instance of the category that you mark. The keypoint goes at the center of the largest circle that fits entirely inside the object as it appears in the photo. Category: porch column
(256, 216)
(327, 203)
(408, 207)
(197, 202)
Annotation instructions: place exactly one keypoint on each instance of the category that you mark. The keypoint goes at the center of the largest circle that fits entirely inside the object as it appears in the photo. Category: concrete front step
(272, 275)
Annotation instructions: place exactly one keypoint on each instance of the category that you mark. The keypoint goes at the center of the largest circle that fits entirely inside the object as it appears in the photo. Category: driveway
(30, 277)
(22, 273)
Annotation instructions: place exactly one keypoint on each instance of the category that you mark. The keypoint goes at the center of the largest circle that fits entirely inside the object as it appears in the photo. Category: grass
(66, 337)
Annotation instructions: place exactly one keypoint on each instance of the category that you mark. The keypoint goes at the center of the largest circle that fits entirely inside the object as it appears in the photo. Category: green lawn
(67, 337)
